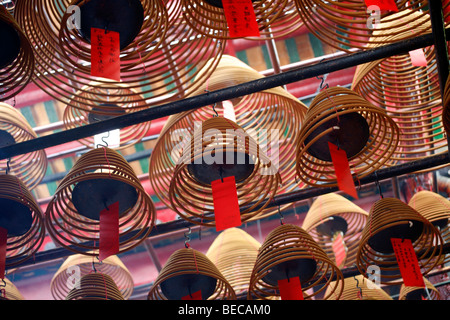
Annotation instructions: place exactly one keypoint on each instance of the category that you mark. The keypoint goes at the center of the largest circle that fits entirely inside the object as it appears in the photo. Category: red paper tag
(105, 54)
(339, 249)
(342, 169)
(389, 5)
(418, 58)
(194, 296)
(226, 203)
(407, 262)
(109, 231)
(241, 18)
(290, 289)
(3, 245)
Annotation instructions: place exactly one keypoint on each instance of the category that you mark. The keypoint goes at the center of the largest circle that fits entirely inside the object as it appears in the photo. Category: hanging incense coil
(99, 178)
(287, 252)
(351, 24)
(14, 128)
(272, 117)
(22, 218)
(221, 149)
(234, 253)
(436, 209)
(391, 218)
(419, 293)
(159, 58)
(333, 218)
(120, 102)
(78, 265)
(410, 95)
(186, 272)
(8, 291)
(342, 117)
(16, 58)
(275, 18)
(360, 288)
(95, 286)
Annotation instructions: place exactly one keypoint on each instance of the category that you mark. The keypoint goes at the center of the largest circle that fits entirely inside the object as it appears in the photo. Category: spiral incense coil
(288, 252)
(79, 265)
(159, 57)
(419, 293)
(234, 253)
(275, 18)
(340, 116)
(121, 102)
(391, 218)
(256, 179)
(274, 127)
(22, 218)
(29, 167)
(186, 272)
(95, 286)
(351, 24)
(99, 178)
(8, 291)
(436, 209)
(331, 215)
(17, 59)
(410, 95)
(360, 288)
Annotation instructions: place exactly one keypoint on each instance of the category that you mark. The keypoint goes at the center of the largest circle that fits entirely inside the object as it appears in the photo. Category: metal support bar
(212, 97)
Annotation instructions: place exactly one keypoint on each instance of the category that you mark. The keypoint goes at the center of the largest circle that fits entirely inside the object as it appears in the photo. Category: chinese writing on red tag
(241, 18)
(407, 262)
(105, 54)
(226, 204)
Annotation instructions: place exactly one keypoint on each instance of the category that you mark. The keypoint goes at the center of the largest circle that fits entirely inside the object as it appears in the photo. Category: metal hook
(8, 168)
(214, 105)
(378, 185)
(358, 287)
(281, 216)
(188, 239)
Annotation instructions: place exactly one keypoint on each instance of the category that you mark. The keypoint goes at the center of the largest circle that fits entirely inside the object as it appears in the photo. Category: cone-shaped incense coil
(121, 101)
(187, 274)
(218, 150)
(99, 179)
(8, 291)
(160, 53)
(275, 18)
(332, 216)
(430, 292)
(14, 128)
(17, 61)
(391, 218)
(288, 252)
(78, 265)
(344, 118)
(234, 253)
(348, 25)
(95, 286)
(22, 218)
(409, 93)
